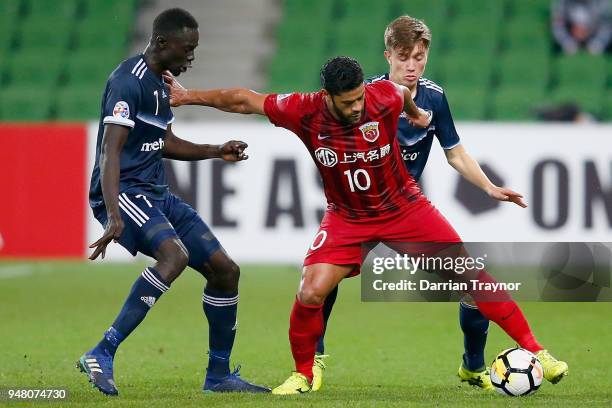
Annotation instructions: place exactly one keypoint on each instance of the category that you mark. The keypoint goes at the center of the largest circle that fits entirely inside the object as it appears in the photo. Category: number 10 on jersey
(359, 178)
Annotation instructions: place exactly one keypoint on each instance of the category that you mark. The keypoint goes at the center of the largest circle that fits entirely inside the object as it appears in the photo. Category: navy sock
(220, 309)
(145, 292)
(475, 328)
(327, 308)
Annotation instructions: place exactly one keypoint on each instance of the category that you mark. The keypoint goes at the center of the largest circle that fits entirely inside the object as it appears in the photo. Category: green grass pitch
(392, 354)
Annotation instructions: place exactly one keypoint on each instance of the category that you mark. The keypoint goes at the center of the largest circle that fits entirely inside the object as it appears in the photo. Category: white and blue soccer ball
(516, 372)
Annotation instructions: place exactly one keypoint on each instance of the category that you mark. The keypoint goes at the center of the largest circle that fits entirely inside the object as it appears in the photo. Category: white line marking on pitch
(15, 271)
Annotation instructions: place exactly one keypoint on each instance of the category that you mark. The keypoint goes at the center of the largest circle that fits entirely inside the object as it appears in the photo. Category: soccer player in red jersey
(350, 129)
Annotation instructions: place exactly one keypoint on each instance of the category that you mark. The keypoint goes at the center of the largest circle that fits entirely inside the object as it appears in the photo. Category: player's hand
(178, 93)
(233, 151)
(505, 194)
(423, 120)
(113, 230)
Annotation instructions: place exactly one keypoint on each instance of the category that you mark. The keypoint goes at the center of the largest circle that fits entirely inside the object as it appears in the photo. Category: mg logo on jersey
(157, 145)
(370, 131)
(326, 156)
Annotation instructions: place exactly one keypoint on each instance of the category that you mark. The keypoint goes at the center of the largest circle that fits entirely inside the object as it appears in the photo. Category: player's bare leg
(306, 322)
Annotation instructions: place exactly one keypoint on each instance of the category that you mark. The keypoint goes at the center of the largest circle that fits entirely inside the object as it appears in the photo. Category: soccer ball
(516, 372)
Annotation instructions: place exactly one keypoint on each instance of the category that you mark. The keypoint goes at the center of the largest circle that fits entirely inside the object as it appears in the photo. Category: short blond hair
(405, 32)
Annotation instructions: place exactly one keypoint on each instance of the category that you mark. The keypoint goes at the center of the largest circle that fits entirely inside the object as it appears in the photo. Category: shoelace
(545, 355)
(236, 372)
(319, 360)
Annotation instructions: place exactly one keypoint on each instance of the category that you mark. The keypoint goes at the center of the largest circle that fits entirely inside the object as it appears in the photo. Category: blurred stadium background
(494, 58)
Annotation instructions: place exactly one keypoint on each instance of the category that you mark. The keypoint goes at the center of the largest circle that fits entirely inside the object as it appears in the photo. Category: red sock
(305, 328)
(507, 314)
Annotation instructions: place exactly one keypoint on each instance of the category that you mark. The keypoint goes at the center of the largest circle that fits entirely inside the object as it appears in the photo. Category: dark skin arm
(179, 149)
(113, 140)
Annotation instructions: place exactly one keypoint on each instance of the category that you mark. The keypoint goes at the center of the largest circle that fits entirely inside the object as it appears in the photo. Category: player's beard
(347, 120)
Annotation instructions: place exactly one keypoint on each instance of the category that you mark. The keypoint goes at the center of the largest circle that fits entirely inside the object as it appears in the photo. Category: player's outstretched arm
(180, 149)
(113, 140)
(234, 100)
(416, 116)
(469, 168)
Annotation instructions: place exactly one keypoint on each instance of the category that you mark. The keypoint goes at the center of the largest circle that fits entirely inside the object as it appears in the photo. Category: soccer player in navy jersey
(349, 129)
(130, 198)
(407, 41)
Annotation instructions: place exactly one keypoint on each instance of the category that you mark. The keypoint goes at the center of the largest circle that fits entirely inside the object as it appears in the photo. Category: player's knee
(309, 295)
(233, 274)
(222, 272)
(227, 277)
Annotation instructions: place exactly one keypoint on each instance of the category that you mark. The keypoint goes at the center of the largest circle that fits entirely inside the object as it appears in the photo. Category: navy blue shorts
(149, 222)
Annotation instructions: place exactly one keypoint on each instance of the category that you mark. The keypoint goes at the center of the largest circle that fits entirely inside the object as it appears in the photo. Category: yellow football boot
(554, 370)
(477, 378)
(318, 368)
(296, 384)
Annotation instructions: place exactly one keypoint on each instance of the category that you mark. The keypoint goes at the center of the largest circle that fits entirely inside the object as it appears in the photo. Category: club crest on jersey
(326, 156)
(370, 131)
(121, 110)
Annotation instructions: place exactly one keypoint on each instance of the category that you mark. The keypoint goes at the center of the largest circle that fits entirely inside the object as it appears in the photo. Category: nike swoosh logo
(321, 137)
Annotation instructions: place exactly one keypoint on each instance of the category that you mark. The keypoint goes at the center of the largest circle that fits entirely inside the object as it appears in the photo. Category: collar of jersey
(160, 79)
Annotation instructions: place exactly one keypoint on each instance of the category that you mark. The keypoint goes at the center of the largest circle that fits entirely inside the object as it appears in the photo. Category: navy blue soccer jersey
(416, 142)
(137, 98)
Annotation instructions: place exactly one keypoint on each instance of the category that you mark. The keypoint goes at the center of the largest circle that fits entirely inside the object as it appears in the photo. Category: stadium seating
(468, 102)
(515, 103)
(502, 49)
(79, 103)
(56, 55)
(87, 68)
(62, 9)
(495, 59)
(524, 68)
(25, 103)
(37, 35)
(607, 106)
(26, 69)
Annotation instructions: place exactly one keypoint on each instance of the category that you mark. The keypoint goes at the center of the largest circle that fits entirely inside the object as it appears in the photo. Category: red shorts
(340, 241)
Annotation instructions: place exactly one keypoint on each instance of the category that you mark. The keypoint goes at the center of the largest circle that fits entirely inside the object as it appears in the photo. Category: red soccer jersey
(360, 164)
